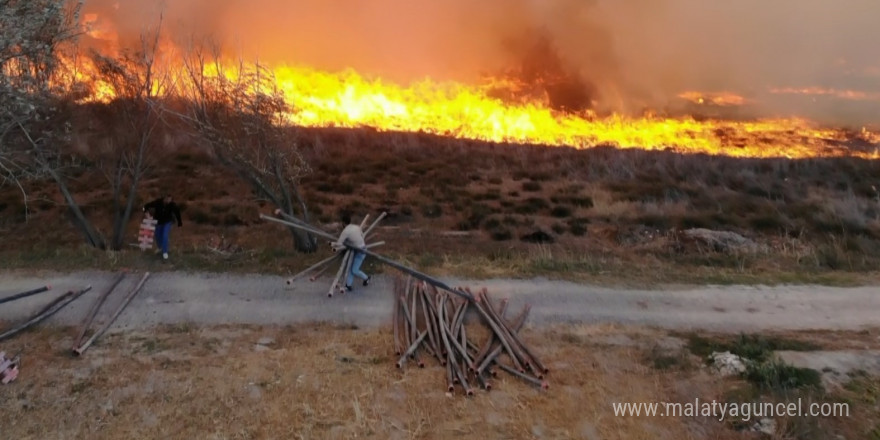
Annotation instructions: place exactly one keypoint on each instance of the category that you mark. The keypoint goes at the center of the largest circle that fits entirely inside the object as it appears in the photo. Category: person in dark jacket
(165, 211)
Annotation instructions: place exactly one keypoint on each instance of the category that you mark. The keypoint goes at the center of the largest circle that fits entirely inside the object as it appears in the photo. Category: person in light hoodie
(353, 235)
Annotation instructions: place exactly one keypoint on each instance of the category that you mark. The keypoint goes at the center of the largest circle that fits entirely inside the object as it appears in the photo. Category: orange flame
(348, 99)
(724, 99)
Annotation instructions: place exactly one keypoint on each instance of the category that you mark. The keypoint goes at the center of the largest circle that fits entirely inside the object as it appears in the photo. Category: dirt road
(201, 298)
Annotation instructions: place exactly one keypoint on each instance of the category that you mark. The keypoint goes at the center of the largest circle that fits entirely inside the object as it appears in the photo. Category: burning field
(535, 76)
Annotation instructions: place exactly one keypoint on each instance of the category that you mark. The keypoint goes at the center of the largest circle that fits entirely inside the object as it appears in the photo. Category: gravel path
(201, 298)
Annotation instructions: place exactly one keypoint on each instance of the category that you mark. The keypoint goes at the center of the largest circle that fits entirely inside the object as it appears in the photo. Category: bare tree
(243, 116)
(138, 86)
(31, 34)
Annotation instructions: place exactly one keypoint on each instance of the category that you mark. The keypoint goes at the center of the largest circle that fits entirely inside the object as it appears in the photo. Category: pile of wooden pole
(430, 323)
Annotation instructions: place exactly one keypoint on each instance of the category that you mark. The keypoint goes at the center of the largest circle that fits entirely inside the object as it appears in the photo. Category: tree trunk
(303, 241)
(79, 219)
(122, 222)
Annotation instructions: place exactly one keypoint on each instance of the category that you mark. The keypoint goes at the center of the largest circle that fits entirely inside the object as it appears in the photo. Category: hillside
(478, 209)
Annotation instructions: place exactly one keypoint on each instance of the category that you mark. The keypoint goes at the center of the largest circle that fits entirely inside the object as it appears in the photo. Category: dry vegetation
(319, 381)
(478, 209)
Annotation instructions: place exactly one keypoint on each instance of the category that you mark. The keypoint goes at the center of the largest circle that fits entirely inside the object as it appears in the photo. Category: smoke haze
(636, 54)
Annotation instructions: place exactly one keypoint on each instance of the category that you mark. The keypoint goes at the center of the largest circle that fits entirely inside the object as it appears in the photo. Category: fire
(349, 99)
(724, 99)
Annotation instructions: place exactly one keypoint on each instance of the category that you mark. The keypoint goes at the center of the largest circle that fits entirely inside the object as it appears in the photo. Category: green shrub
(561, 211)
(779, 376)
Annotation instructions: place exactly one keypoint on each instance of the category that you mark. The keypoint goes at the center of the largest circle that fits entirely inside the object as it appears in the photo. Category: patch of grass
(753, 347)
(661, 359)
(776, 375)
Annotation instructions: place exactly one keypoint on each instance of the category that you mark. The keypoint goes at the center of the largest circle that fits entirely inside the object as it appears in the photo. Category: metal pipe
(370, 253)
(313, 267)
(428, 322)
(307, 228)
(90, 316)
(339, 273)
(411, 350)
(452, 341)
(499, 333)
(524, 376)
(496, 348)
(364, 222)
(503, 308)
(376, 222)
(81, 349)
(25, 294)
(449, 352)
(317, 274)
(511, 339)
(395, 320)
(416, 274)
(46, 312)
(435, 322)
(413, 310)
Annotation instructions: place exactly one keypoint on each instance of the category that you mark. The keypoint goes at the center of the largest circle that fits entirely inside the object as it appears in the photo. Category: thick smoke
(629, 55)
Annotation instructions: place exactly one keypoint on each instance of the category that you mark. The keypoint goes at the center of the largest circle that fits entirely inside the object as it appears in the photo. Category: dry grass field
(481, 210)
(320, 381)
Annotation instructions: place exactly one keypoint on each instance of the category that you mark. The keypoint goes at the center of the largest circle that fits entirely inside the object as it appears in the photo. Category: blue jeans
(356, 268)
(161, 236)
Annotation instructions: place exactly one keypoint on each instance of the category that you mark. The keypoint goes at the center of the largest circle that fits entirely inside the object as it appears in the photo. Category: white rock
(765, 426)
(728, 364)
(266, 340)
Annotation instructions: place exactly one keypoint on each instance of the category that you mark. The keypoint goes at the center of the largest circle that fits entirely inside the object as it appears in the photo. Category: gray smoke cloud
(636, 54)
